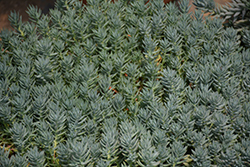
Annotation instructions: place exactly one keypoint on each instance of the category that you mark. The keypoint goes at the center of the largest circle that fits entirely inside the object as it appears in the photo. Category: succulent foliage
(123, 84)
(234, 14)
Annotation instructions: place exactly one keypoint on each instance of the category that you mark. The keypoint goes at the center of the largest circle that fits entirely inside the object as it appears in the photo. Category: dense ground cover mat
(123, 84)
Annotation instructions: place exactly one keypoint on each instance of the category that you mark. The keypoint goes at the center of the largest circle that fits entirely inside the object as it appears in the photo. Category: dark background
(21, 6)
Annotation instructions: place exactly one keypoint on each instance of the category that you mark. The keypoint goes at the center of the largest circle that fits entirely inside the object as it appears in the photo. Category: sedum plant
(123, 84)
(235, 14)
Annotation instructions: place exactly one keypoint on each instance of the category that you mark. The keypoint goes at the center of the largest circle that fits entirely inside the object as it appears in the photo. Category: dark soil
(6, 6)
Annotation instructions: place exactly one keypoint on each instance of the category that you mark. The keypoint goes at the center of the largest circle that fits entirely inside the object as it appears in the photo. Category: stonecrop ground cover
(123, 84)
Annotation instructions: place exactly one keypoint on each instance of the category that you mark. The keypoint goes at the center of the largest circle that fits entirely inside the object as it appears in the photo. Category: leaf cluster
(235, 14)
